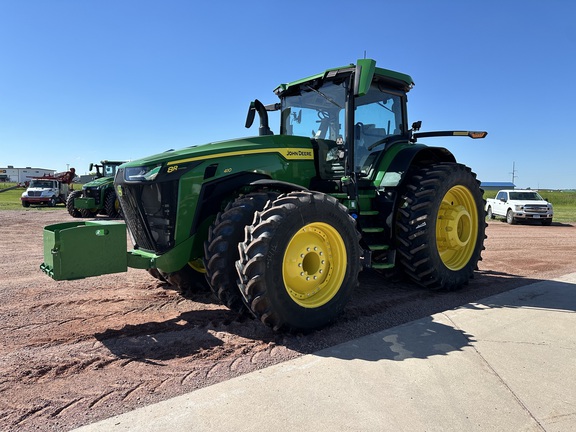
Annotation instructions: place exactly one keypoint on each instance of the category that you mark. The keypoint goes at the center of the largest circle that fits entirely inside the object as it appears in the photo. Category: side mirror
(256, 105)
(250, 116)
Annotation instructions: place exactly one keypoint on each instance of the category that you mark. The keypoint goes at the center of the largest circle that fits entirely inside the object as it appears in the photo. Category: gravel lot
(75, 352)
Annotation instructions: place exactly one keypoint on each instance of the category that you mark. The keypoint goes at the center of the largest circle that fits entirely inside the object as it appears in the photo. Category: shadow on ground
(378, 304)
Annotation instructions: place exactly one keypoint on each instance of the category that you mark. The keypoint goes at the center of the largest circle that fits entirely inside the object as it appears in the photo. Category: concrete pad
(527, 336)
(505, 363)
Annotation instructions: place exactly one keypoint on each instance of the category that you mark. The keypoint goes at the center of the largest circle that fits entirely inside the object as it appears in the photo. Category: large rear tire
(221, 248)
(299, 262)
(440, 226)
(73, 211)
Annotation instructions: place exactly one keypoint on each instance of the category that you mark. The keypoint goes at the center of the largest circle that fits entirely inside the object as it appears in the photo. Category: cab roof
(401, 80)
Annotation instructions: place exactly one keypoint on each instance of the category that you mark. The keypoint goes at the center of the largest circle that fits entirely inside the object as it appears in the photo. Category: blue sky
(85, 80)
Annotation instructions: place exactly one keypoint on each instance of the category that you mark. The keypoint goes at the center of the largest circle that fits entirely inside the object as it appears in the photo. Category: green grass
(564, 203)
(10, 199)
(6, 185)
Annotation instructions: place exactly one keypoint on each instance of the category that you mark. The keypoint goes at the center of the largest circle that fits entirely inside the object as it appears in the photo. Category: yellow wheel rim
(314, 265)
(457, 228)
(197, 265)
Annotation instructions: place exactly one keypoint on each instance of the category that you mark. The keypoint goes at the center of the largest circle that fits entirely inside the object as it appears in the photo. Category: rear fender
(394, 171)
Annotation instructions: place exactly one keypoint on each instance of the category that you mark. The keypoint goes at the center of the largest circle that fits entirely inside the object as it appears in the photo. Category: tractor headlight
(141, 174)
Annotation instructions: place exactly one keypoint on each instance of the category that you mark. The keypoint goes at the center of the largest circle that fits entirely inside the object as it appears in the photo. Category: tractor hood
(98, 182)
(289, 147)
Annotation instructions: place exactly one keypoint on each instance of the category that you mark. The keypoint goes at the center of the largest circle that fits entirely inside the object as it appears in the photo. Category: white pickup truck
(520, 205)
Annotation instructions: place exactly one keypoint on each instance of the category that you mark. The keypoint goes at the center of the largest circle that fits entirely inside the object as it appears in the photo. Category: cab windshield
(315, 113)
(526, 196)
(43, 184)
(109, 170)
(378, 115)
(319, 112)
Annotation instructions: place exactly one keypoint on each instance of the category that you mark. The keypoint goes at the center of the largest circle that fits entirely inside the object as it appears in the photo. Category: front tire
(440, 226)
(510, 217)
(88, 213)
(73, 211)
(188, 281)
(299, 262)
(221, 248)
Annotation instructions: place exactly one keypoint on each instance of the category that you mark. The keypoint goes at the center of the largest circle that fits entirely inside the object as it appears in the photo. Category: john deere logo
(295, 153)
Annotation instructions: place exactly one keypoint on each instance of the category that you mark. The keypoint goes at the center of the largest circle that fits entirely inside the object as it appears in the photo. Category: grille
(93, 193)
(150, 214)
(535, 208)
(34, 193)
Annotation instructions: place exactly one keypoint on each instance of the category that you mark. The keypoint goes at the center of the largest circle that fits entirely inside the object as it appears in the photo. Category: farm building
(496, 186)
(21, 175)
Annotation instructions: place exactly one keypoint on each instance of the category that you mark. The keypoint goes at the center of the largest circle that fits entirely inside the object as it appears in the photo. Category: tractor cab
(105, 168)
(345, 126)
(348, 113)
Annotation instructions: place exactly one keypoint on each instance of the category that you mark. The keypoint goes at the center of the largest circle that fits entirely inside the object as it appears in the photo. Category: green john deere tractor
(97, 196)
(281, 224)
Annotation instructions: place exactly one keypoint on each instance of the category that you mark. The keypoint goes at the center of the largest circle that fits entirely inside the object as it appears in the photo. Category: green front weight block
(85, 203)
(75, 250)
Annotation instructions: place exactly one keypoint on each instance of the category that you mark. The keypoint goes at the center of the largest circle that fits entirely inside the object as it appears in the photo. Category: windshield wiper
(328, 98)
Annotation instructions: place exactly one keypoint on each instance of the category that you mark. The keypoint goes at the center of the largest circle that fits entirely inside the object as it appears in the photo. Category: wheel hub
(457, 228)
(455, 223)
(314, 264)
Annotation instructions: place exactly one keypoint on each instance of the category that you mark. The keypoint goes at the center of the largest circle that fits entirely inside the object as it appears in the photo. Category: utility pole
(513, 172)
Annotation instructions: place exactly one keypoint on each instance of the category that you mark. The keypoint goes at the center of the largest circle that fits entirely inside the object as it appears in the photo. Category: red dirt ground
(75, 352)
